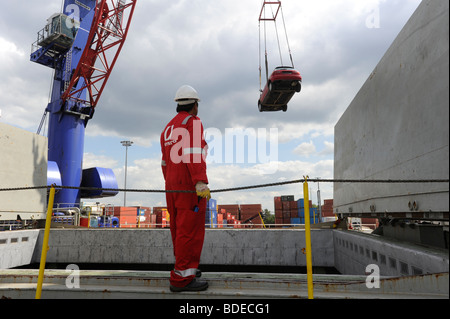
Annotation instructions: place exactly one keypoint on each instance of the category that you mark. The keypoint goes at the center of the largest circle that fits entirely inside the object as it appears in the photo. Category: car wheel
(298, 88)
(284, 108)
(259, 106)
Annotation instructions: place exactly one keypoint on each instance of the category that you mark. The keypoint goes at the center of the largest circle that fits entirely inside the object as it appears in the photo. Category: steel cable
(312, 180)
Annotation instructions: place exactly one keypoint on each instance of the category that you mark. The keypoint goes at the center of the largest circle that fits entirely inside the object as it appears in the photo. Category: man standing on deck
(183, 164)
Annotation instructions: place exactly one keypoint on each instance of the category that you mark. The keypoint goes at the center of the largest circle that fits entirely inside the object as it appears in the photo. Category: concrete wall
(23, 163)
(397, 125)
(354, 251)
(221, 247)
(17, 248)
(266, 247)
(348, 251)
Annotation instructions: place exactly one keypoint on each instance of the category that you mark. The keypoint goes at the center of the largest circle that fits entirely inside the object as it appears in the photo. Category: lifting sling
(275, 8)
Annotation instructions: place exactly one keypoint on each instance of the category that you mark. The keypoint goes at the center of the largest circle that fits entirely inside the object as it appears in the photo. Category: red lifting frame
(274, 16)
(107, 32)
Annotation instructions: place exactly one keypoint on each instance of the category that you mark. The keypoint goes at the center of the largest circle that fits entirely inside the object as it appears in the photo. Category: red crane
(108, 33)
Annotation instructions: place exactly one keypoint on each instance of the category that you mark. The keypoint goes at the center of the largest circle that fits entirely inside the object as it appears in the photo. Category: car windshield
(284, 67)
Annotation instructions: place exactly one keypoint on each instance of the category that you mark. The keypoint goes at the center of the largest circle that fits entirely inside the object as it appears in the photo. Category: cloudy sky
(214, 47)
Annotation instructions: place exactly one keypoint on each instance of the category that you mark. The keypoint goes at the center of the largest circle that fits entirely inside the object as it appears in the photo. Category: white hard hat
(186, 95)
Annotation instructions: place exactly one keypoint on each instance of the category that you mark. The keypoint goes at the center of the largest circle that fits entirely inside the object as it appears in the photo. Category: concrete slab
(21, 284)
(397, 127)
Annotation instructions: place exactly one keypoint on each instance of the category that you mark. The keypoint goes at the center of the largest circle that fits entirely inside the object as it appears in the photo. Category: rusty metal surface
(21, 284)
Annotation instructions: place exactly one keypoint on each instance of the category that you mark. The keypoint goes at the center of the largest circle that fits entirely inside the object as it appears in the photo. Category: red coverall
(183, 164)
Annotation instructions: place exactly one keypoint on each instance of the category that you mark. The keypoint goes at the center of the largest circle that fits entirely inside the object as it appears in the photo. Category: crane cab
(55, 38)
(60, 31)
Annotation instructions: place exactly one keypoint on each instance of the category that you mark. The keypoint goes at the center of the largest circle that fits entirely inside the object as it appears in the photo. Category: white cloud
(92, 160)
(8, 49)
(305, 149)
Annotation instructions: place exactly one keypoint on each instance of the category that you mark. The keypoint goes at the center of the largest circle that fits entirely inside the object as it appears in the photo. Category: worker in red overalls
(183, 164)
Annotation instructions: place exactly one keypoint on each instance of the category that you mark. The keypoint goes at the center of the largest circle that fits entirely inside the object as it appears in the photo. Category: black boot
(194, 285)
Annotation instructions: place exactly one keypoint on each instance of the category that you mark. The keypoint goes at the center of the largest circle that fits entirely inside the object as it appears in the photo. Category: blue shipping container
(313, 211)
(211, 218)
(211, 204)
(311, 220)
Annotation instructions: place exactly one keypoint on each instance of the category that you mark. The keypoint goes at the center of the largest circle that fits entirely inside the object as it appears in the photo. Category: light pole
(319, 200)
(126, 144)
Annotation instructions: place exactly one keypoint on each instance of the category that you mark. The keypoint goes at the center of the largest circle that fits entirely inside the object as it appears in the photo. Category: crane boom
(108, 34)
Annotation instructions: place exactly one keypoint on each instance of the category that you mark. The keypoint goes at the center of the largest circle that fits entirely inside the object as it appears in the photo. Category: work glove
(202, 190)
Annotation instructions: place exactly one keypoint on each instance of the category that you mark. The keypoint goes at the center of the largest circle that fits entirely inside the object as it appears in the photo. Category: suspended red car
(284, 82)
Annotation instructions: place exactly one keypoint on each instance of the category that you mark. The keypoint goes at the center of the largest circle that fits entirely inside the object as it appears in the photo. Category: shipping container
(249, 211)
(211, 218)
(287, 198)
(371, 223)
(162, 217)
(219, 220)
(211, 204)
(144, 214)
(152, 221)
(123, 211)
(257, 207)
(327, 208)
(277, 203)
(233, 209)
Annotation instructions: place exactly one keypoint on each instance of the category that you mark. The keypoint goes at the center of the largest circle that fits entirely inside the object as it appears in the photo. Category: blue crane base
(65, 156)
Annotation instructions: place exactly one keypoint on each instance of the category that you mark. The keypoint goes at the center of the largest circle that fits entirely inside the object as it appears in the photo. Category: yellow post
(138, 219)
(308, 240)
(45, 246)
(262, 220)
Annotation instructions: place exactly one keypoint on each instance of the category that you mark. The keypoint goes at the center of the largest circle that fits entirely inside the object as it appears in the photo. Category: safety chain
(312, 180)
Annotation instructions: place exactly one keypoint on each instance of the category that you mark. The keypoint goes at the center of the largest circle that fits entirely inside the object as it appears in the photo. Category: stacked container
(219, 220)
(162, 217)
(211, 214)
(127, 216)
(278, 208)
(152, 221)
(249, 211)
(232, 209)
(285, 210)
(229, 220)
(313, 212)
(143, 216)
(327, 208)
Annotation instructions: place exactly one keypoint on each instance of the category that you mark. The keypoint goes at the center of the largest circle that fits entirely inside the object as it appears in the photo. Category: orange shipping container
(277, 203)
(233, 209)
(126, 221)
(125, 211)
(153, 221)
